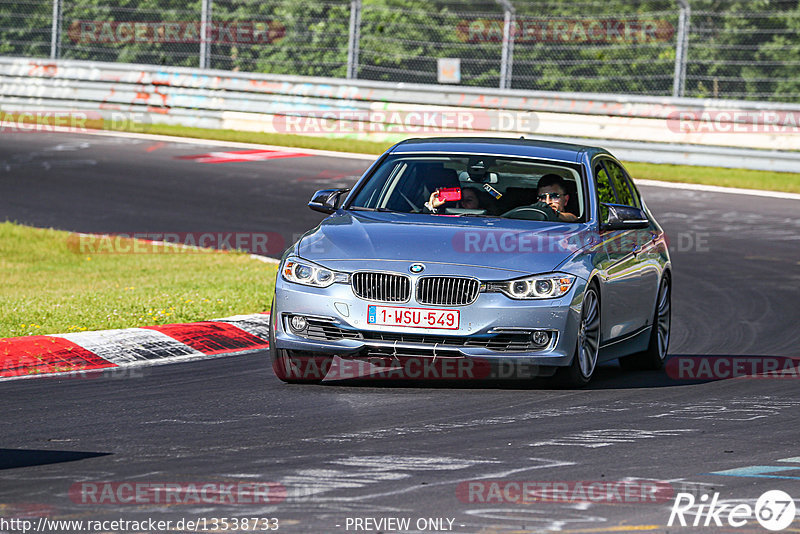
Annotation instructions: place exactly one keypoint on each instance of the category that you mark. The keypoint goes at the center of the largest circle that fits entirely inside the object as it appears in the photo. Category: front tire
(587, 346)
(656, 353)
(290, 369)
(293, 370)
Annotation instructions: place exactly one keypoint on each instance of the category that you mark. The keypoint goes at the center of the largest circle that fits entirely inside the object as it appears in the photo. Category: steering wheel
(541, 211)
(527, 213)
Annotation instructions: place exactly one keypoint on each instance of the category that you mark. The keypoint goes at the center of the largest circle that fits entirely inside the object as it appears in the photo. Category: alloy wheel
(663, 319)
(589, 334)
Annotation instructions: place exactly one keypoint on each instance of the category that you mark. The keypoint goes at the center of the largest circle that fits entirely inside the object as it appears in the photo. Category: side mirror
(618, 217)
(326, 200)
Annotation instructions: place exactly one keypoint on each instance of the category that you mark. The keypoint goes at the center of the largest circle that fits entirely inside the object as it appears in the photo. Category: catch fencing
(720, 49)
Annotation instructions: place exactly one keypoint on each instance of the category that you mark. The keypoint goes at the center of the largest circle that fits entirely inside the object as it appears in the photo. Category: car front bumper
(341, 328)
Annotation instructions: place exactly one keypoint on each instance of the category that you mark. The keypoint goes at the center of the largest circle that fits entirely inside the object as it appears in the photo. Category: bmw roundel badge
(416, 268)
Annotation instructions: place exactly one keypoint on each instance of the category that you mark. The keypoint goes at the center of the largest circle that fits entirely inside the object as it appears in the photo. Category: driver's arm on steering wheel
(565, 216)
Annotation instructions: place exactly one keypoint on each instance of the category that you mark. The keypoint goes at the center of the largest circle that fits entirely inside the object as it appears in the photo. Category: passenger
(552, 190)
(469, 200)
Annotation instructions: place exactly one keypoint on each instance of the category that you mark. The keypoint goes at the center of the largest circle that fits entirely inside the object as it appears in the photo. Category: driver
(552, 190)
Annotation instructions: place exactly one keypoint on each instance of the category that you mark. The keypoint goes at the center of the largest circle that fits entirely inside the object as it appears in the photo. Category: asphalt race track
(349, 452)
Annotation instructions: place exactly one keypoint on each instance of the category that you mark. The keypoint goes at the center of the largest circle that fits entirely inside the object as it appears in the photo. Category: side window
(605, 194)
(604, 191)
(637, 197)
(619, 182)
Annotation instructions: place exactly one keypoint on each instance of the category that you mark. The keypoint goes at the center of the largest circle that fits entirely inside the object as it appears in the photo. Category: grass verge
(786, 182)
(50, 288)
(743, 178)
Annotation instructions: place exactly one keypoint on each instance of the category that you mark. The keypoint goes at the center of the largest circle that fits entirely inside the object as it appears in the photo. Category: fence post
(55, 32)
(354, 36)
(205, 21)
(507, 54)
(681, 49)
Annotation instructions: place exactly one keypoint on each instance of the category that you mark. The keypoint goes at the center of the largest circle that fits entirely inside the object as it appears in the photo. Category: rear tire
(656, 353)
(587, 345)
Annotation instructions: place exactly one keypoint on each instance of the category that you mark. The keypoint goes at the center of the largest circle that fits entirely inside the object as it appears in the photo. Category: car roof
(536, 148)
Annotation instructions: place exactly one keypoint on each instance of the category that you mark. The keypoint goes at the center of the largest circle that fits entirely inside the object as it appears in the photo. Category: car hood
(351, 240)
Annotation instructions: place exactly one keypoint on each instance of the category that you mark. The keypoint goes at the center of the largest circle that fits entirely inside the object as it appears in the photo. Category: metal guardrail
(637, 128)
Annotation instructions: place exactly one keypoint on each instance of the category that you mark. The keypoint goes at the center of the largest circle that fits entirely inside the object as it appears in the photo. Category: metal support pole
(353, 40)
(205, 26)
(55, 32)
(507, 54)
(681, 49)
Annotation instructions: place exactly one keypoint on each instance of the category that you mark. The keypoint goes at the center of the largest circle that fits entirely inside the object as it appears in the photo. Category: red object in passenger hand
(449, 194)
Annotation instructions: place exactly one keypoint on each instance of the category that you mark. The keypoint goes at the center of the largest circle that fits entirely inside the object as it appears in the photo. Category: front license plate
(413, 317)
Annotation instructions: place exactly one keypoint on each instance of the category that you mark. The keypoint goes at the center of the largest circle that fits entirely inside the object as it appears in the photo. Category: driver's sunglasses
(554, 196)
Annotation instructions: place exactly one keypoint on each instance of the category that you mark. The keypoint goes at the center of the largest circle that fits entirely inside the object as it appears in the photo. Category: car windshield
(474, 185)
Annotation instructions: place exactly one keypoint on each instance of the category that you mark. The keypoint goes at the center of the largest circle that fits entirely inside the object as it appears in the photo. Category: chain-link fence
(698, 48)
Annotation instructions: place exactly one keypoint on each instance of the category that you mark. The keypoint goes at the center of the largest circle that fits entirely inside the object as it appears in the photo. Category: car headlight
(545, 286)
(310, 274)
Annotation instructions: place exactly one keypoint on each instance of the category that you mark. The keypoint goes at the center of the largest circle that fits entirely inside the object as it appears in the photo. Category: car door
(626, 278)
(648, 258)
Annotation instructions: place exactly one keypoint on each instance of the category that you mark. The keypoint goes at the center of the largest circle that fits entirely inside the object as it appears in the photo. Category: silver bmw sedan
(472, 258)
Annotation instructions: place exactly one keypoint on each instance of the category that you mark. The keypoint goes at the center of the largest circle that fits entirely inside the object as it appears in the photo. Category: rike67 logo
(774, 510)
